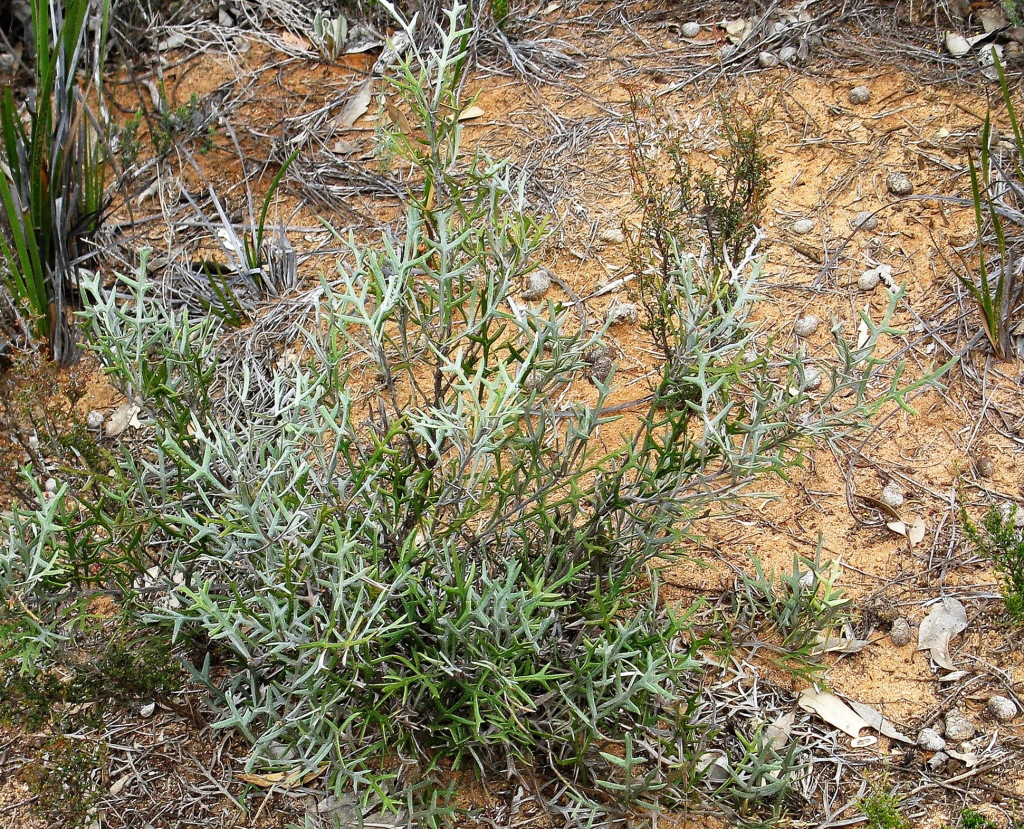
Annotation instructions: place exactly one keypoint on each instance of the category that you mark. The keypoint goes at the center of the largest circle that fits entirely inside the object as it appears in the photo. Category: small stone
(805, 325)
(94, 420)
(598, 352)
(33, 442)
(601, 368)
(767, 60)
(612, 235)
(537, 284)
(812, 378)
(899, 184)
(892, 495)
(147, 709)
(860, 95)
(930, 740)
(787, 54)
(958, 727)
(900, 633)
(1000, 708)
(691, 29)
(623, 313)
(802, 226)
(865, 220)
(869, 280)
(51, 486)
(984, 467)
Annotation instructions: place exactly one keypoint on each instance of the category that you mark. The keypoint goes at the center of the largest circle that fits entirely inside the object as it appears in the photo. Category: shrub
(410, 559)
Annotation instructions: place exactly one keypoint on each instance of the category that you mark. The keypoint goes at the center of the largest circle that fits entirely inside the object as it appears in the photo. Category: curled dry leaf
(946, 620)
(125, 415)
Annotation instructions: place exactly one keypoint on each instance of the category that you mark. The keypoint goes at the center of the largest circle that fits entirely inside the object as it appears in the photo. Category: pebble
(802, 226)
(612, 235)
(767, 60)
(869, 280)
(865, 220)
(901, 633)
(860, 95)
(601, 368)
(1000, 708)
(622, 313)
(51, 485)
(94, 420)
(537, 284)
(805, 325)
(787, 54)
(930, 740)
(812, 378)
(892, 495)
(958, 727)
(691, 29)
(899, 184)
(985, 467)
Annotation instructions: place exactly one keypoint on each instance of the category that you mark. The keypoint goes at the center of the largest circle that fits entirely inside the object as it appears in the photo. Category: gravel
(623, 313)
(892, 495)
(930, 740)
(806, 325)
(802, 226)
(537, 284)
(901, 633)
(899, 184)
(958, 727)
(1000, 708)
(865, 220)
(860, 95)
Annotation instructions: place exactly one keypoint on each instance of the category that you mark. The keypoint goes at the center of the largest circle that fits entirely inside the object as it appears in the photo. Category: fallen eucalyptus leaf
(470, 113)
(877, 721)
(356, 106)
(916, 531)
(946, 620)
(898, 527)
(832, 710)
(778, 731)
(968, 758)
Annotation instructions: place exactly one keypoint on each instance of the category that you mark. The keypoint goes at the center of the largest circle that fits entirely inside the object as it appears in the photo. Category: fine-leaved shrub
(406, 559)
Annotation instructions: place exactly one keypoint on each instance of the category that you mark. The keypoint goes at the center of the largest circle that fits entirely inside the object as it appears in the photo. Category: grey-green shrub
(445, 571)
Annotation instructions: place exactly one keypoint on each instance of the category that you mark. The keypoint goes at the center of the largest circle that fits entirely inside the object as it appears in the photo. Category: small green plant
(761, 775)
(188, 120)
(970, 819)
(997, 189)
(1014, 11)
(799, 608)
(681, 205)
(882, 810)
(53, 178)
(127, 140)
(330, 34)
(1000, 539)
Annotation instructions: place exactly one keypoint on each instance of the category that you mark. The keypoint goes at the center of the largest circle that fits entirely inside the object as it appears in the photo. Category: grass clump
(997, 189)
(406, 558)
(1000, 539)
(53, 179)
